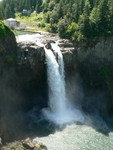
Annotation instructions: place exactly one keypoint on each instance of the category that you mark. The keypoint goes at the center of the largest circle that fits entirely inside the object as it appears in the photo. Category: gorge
(88, 89)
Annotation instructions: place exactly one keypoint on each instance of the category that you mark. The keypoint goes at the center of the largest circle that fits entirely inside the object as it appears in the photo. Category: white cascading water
(57, 51)
(60, 110)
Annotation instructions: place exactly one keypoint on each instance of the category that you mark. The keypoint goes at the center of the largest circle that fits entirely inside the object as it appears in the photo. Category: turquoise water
(19, 32)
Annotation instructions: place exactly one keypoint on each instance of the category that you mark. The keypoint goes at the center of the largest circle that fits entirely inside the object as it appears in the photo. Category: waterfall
(60, 110)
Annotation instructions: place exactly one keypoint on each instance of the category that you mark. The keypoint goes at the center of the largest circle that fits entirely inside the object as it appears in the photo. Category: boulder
(26, 144)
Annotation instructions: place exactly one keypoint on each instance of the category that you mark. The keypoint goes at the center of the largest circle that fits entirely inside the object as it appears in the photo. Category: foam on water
(77, 137)
(34, 38)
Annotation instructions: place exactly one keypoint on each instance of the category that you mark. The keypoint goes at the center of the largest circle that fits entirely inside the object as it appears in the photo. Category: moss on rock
(5, 31)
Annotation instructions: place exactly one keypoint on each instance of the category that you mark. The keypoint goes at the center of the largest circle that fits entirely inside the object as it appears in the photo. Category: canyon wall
(93, 63)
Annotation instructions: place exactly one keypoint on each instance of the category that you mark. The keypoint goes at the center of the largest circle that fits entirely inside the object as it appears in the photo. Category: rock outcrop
(27, 144)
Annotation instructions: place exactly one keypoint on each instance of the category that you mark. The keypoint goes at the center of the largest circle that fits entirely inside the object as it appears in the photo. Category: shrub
(48, 28)
(53, 28)
(41, 24)
(71, 30)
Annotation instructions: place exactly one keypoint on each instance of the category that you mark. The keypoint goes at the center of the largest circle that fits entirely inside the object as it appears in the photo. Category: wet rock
(27, 144)
(48, 45)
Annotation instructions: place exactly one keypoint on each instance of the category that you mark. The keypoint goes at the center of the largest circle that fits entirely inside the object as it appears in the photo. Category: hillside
(76, 20)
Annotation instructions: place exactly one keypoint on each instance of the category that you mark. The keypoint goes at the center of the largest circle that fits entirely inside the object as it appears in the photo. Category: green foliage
(7, 12)
(5, 30)
(9, 59)
(47, 17)
(35, 21)
(87, 8)
(84, 27)
(38, 7)
(48, 28)
(72, 31)
(53, 28)
(41, 24)
(1, 13)
(74, 19)
(9, 7)
(80, 19)
(62, 28)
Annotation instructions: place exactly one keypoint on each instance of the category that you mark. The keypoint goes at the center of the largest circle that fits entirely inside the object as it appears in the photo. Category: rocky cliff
(89, 72)
(87, 65)
(8, 54)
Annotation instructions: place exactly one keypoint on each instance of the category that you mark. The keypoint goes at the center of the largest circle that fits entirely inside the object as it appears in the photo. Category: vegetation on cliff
(5, 31)
(7, 44)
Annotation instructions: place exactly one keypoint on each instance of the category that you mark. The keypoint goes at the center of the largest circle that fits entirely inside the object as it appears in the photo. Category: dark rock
(48, 45)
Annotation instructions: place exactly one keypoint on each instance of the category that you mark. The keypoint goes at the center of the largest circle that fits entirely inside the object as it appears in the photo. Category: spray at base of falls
(60, 110)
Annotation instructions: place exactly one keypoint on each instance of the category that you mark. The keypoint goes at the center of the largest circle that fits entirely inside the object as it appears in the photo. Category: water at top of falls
(56, 86)
(60, 110)
(57, 50)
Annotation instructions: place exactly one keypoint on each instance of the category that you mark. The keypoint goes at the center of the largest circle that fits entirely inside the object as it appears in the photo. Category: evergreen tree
(84, 27)
(110, 25)
(87, 8)
(1, 13)
(102, 17)
(93, 21)
(7, 12)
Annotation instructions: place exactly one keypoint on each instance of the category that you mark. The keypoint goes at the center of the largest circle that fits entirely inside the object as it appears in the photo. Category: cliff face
(94, 64)
(8, 48)
(30, 61)
(88, 69)
(22, 84)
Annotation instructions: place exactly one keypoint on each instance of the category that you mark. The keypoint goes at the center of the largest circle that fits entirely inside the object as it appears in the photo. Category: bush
(72, 30)
(47, 17)
(48, 28)
(53, 28)
(41, 24)
(2, 29)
